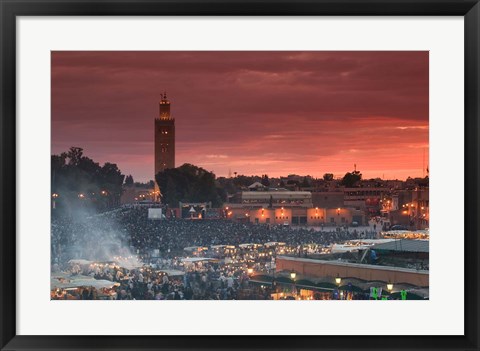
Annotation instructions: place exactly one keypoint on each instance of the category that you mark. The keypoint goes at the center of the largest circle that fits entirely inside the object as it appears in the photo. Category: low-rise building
(274, 198)
(133, 194)
(295, 215)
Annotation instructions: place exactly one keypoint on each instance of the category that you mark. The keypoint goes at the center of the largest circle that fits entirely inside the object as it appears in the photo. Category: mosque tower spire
(164, 107)
(164, 137)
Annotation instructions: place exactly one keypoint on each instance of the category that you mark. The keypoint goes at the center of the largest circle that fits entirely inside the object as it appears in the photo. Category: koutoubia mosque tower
(164, 137)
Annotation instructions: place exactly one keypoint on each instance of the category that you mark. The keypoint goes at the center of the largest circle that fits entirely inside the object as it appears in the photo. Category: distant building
(133, 194)
(413, 209)
(328, 199)
(277, 198)
(372, 274)
(164, 137)
(289, 208)
(257, 186)
(367, 199)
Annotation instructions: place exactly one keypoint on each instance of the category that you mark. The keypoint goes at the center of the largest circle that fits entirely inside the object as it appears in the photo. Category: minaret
(164, 137)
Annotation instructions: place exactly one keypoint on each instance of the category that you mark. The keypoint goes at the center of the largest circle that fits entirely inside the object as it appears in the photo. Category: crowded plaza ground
(138, 258)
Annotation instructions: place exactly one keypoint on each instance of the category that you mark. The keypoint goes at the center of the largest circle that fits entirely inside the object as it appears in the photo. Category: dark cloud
(251, 112)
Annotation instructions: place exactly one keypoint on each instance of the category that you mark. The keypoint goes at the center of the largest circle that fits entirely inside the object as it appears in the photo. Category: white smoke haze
(92, 237)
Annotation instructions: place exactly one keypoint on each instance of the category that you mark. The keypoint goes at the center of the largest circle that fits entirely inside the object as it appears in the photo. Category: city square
(220, 226)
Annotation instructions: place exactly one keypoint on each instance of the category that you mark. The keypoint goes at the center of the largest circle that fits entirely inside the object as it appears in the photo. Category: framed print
(239, 175)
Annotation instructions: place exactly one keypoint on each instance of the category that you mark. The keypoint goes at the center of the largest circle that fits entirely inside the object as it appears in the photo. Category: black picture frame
(10, 10)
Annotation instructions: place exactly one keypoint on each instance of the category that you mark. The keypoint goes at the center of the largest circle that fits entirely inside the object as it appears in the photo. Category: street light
(54, 196)
(338, 280)
(390, 286)
(293, 275)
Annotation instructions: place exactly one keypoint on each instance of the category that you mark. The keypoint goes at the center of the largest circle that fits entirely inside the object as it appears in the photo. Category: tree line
(189, 183)
(77, 181)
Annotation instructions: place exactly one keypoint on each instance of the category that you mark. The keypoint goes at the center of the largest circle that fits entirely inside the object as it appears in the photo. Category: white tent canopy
(196, 259)
(80, 281)
(80, 262)
(172, 272)
(218, 246)
(245, 245)
(274, 243)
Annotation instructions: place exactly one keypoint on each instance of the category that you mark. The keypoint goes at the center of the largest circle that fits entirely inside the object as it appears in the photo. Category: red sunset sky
(277, 113)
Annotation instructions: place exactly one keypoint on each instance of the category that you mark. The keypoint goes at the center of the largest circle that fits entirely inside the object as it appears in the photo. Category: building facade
(164, 137)
(133, 194)
(289, 208)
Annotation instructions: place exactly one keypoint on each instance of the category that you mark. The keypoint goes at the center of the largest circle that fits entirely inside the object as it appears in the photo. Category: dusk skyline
(253, 113)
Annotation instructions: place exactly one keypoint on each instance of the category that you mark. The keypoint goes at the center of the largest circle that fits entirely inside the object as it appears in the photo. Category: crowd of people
(116, 232)
(127, 232)
(169, 279)
(93, 237)
(175, 234)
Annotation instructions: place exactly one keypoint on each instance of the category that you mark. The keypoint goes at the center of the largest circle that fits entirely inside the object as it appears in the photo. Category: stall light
(390, 286)
(338, 280)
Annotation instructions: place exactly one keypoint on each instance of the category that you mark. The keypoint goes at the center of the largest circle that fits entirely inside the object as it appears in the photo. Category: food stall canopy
(246, 245)
(194, 248)
(80, 281)
(172, 272)
(197, 259)
(218, 246)
(129, 263)
(80, 262)
(274, 243)
(60, 275)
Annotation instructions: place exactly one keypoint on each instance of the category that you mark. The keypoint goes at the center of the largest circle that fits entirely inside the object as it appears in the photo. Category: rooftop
(403, 245)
